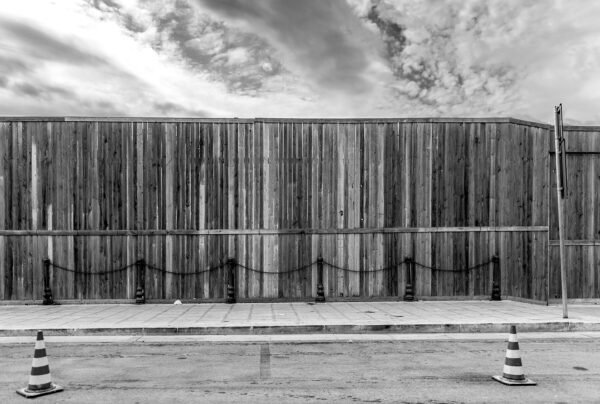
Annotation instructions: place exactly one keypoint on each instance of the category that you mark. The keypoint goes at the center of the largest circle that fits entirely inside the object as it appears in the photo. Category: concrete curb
(299, 338)
(559, 326)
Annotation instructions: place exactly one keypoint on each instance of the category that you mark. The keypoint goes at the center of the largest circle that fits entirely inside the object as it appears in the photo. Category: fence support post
(320, 292)
(47, 291)
(140, 294)
(408, 292)
(230, 281)
(496, 276)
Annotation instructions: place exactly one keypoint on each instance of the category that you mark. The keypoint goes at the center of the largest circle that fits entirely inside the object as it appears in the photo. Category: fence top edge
(136, 119)
(126, 119)
(123, 119)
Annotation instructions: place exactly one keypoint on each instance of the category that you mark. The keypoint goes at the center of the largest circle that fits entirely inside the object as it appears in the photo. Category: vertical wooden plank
(379, 206)
(596, 279)
(255, 280)
(170, 137)
(16, 174)
(71, 169)
(34, 184)
(94, 243)
(5, 128)
(305, 211)
(315, 164)
(267, 219)
(243, 183)
(212, 206)
(129, 208)
(491, 133)
(353, 210)
(361, 157)
(341, 146)
(231, 172)
(283, 195)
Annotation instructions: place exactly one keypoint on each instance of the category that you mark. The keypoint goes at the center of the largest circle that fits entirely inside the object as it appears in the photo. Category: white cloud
(353, 58)
(516, 58)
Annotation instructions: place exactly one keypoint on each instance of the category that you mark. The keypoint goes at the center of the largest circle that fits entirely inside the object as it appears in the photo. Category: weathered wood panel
(366, 194)
(582, 217)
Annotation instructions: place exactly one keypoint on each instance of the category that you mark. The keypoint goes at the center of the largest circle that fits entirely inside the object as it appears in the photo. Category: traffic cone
(513, 368)
(40, 382)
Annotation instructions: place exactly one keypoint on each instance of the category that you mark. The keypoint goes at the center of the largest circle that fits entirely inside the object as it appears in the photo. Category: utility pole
(560, 153)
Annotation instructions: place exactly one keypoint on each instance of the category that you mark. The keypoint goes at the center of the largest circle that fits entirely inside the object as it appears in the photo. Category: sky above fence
(309, 58)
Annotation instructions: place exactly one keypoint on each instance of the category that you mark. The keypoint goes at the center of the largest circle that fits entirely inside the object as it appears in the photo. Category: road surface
(431, 371)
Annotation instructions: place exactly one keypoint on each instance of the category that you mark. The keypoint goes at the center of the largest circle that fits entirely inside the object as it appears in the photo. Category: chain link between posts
(250, 269)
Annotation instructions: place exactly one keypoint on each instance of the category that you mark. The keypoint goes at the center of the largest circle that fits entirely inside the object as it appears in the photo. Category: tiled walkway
(295, 318)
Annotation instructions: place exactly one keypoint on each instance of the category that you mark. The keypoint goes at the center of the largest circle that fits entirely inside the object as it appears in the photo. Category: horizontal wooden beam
(578, 152)
(555, 243)
(267, 232)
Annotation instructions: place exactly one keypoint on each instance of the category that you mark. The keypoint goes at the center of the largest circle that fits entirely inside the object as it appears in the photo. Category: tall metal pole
(560, 194)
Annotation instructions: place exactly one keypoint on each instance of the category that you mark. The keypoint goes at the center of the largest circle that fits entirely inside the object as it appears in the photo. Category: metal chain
(183, 273)
(302, 268)
(453, 269)
(110, 271)
(355, 270)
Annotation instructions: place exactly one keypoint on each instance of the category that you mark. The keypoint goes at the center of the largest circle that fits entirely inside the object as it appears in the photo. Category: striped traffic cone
(513, 371)
(40, 382)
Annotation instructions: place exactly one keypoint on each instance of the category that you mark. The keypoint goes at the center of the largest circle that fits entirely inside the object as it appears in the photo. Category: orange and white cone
(40, 382)
(512, 374)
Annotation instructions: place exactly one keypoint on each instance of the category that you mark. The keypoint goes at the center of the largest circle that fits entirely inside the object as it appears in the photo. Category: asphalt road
(566, 371)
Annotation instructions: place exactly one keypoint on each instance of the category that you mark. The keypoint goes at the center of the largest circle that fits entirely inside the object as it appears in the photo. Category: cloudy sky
(301, 58)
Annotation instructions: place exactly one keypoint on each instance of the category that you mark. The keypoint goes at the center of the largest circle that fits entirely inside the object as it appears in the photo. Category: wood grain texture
(582, 216)
(275, 194)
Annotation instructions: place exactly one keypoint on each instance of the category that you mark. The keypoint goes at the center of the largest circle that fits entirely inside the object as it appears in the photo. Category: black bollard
(47, 291)
(140, 297)
(230, 281)
(496, 278)
(320, 291)
(409, 295)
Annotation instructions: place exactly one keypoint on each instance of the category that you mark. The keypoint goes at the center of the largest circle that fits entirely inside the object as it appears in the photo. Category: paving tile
(436, 315)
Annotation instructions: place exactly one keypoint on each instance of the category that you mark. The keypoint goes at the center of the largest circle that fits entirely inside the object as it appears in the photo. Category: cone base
(509, 382)
(55, 388)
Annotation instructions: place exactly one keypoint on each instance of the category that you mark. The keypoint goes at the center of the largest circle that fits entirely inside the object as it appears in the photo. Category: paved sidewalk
(295, 318)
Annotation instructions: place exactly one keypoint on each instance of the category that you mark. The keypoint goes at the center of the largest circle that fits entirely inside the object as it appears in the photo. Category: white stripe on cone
(513, 353)
(39, 362)
(513, 370)
(39, 344)
(512, 338)
(39, 380)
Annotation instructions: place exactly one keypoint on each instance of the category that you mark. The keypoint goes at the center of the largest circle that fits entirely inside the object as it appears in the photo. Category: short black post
(47, 291)
(140, 294)
(409, 295)
(230, 281)
(320, 292)
(496, 278)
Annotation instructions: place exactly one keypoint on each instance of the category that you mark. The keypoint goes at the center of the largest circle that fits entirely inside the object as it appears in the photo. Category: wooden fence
(582, 223)
(97, 194)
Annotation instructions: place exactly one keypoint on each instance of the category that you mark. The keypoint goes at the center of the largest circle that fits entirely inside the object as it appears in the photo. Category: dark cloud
(395, 41)
(172, 109)
(27, 89)
(428, 66)
(393, 33)
(41, 91)
(206, 45)
(37, 43)
(323, 36)
(3, 82)
(10, 65)
(104, 4)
